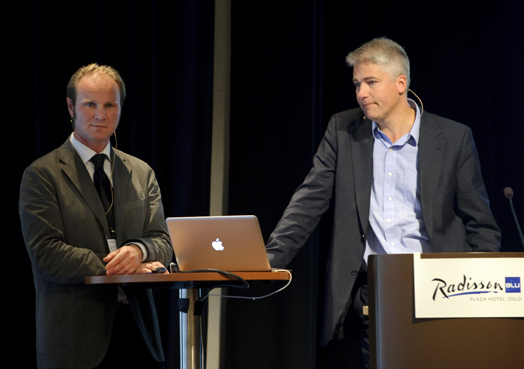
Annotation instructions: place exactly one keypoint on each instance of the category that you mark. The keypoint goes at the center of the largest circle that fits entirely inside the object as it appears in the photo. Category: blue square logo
(512, 284)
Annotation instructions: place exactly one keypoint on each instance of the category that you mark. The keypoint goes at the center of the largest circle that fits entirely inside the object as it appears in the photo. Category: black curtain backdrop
(164, 52)
(289, 76)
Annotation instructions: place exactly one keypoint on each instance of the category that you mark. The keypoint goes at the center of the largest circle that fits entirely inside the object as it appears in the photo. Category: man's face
(378, 94)
(97, 110)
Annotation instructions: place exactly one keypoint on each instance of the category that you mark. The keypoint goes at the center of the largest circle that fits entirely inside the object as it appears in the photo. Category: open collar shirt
(396, 224)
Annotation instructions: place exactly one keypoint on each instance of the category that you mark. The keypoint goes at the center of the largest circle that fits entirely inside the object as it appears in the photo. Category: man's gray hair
(385, 53)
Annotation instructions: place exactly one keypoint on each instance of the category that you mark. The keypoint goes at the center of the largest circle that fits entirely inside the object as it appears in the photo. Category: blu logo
(512, 284)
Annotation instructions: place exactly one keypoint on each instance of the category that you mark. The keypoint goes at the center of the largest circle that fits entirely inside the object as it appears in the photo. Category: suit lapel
(121, 180)
(75, 170)
(431, 151)
(362, 157)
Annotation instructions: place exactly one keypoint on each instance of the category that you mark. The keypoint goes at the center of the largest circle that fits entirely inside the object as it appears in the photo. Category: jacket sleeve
(307, 205)
(472, 203)
(154, 234)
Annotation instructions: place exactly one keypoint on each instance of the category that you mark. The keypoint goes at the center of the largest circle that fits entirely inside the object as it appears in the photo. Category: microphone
(508, 192)
(419, 99)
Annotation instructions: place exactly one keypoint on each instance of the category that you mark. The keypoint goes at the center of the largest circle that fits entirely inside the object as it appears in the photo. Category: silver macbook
(230, 243)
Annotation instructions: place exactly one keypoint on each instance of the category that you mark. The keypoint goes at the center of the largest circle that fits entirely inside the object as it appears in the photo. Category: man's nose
(362, 90)
(100, 113)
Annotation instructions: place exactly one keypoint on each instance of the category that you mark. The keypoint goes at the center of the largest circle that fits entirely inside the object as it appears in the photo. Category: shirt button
(389, 174)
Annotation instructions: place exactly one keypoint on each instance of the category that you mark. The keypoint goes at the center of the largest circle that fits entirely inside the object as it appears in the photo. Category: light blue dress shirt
(395, 217)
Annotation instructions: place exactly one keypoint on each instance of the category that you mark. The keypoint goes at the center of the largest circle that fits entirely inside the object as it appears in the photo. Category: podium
(399, 340)
(189, 286)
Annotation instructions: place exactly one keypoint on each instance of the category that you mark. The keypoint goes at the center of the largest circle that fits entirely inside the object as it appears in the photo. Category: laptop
(231, 243)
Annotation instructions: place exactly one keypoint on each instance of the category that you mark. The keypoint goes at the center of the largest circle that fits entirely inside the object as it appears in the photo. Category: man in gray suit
(70, 234)
(401, 180)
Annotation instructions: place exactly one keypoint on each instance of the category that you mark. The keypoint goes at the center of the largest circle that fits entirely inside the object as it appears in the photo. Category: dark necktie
(101, 181)
(103, 187)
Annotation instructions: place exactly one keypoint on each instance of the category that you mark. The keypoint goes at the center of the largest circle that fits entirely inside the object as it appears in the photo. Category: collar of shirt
(411, 137)
(86, 154)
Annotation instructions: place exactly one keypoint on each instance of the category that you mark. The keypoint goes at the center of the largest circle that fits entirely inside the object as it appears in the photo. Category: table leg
(190, 331)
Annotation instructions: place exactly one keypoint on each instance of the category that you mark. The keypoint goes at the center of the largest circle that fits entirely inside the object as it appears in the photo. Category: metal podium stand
(189, 286)
(190, 330)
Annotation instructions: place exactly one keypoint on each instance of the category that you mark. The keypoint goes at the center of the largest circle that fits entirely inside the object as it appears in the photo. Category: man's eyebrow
(364, 79)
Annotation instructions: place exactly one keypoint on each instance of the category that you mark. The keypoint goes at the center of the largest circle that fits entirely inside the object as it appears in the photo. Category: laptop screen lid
(231, 243)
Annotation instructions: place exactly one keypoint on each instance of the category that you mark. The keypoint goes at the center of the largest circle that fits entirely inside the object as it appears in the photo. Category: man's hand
(149, 266)
(125, 260)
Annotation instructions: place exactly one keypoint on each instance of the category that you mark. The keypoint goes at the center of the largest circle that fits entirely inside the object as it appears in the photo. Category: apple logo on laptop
(217, 245)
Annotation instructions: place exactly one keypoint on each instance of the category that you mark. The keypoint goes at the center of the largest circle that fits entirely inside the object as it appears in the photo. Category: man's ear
(70, 107)
(402, 84)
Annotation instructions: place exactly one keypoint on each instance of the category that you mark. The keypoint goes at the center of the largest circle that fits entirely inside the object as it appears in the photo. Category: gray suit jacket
(454, 202)
(65, 230)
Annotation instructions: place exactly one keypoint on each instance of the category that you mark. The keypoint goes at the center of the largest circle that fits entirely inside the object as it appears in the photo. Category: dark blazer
(453, 198)
(65, 229)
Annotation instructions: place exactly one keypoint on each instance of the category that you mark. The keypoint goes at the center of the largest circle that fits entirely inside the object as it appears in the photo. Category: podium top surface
(187, 277)
(450, 255)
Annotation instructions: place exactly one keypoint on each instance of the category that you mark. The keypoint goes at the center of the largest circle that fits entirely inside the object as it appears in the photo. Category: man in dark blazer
(69, 236)
(440, 205)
